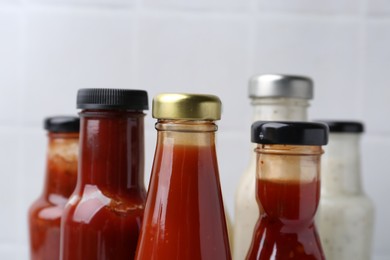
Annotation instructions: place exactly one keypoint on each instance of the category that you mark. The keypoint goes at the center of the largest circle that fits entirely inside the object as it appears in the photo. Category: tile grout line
(21, 129)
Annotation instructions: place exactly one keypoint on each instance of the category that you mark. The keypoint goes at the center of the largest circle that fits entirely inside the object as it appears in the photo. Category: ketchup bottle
(61, 175)
(184, 214)
(103, 216)
(287, 189)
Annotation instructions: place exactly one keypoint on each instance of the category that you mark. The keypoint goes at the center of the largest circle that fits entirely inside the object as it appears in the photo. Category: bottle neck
(112, 151)
(192, 143)
(295, 163)
(341, 165)
(61, 167)
(280, 109)
(186, 133)
(288, 182)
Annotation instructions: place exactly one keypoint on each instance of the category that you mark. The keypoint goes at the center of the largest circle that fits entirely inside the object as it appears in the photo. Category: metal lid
(62, 124)
(122, 99)
(289, 133)
(344, 126)
(186, 106)
(278, 85)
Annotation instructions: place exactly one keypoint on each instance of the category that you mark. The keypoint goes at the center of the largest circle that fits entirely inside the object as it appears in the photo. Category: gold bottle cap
(186, 106)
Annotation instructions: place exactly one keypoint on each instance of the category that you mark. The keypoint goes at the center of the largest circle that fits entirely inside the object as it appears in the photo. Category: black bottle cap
(124, 99)
(62, 124)
(290, 133)
(344, 126)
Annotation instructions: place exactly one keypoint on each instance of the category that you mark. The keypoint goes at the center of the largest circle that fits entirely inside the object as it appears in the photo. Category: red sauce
(45, 213)
(103, 218)
(184, 216)
(285, 229)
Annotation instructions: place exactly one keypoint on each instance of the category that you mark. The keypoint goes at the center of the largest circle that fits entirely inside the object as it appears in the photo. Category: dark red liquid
(285, 229)
(45, 213)
(103, 218)
(184, 216)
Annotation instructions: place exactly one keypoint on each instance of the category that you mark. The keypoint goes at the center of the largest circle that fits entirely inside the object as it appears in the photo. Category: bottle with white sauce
(274, 98)
(347, 214)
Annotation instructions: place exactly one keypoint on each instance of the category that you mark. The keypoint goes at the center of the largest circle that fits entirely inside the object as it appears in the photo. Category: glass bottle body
(246, 208)
(104, 214)
(184, 214)
(347, 214)
(288, 193)
(45, 213)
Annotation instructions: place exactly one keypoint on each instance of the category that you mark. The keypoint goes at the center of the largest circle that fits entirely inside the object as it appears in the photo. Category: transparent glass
(347, 214)
(103, 216)
(45, 213)
(288, 193)
(184, 214)
(246, 209)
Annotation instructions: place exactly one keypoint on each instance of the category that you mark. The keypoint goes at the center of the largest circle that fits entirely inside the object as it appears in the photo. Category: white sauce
(347, 215)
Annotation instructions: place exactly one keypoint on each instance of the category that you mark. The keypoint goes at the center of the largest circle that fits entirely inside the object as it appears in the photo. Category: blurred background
(51, 48)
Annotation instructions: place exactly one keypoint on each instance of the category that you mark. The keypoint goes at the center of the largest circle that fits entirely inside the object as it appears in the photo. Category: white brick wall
(50, 48)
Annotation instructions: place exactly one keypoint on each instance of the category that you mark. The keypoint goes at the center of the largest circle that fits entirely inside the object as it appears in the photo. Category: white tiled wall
(88, 3)
(192, 52)
(51, 48)
(379, 7)
(375, 166)
(310, 6)
(376, 100)
(66, 49)
(10, 50)
(327, 49)
(218, 5)
(10, 143)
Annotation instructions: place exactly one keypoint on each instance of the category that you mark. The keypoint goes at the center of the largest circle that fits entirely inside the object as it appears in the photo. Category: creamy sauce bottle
(347, 214)
(274, 98)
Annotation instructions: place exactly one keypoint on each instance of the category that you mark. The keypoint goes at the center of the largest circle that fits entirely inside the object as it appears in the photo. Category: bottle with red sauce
(184, 214)
(61, 175)
(103, 216)
(287, 189)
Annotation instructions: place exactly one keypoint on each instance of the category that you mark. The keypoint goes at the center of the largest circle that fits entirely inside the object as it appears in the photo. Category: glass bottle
(61, 175)
(184, 214)
(347, 214)
(274, 98)
(103, 216)
(287, 189)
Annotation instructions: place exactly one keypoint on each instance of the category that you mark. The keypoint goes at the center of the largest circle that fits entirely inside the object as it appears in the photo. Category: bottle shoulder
(48, 201)
(342, 198)
(47, 210)
(93, 204)
(353, 205)
(39, 203)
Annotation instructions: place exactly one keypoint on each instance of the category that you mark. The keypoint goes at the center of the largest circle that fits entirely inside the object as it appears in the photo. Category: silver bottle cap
(278, 85)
